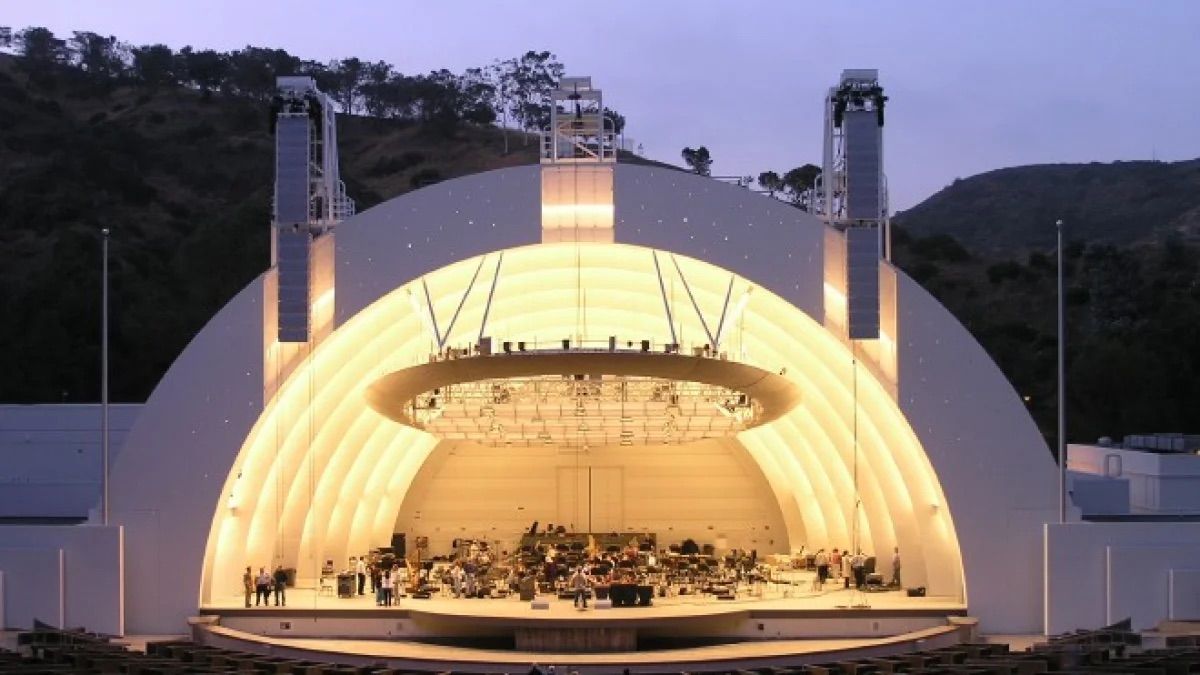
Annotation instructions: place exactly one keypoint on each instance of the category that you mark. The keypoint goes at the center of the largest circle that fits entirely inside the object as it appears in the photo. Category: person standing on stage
(397, 585)
(360, 568)
(858, 563)
(262, 587)
(280, 578)
(822, 562)
(248, 583)
(835, 563)
(386, 584)
(580, 583)
(895, 568)
(457, 577)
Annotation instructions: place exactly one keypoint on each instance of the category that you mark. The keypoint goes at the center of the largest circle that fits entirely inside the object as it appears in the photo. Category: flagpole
(104, 378)
(1062, 386)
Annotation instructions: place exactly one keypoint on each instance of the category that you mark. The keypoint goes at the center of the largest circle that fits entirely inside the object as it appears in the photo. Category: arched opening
(322, 476)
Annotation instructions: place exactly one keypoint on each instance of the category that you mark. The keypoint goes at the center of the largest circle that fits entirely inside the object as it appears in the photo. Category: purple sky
(973, 85)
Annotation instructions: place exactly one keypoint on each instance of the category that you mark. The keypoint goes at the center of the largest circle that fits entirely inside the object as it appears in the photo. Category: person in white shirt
(262, 587)
(580, 584)
(397, 588)
(858, 563)
(360, 568)
(457, 578)
(387, 584)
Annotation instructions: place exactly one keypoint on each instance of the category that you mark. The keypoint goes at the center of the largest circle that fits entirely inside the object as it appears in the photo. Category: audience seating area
(1108, 651)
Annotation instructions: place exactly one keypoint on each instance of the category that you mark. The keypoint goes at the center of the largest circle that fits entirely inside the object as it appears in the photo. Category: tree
(399, 96)
(374, 88)
(325, 78)
(252, 71)
(40, 51)
(6, 37)
(102, 58)
(698, 160)
(206, 69)
(154, 65)
(348, 77)
(445, 99)
(477, 97)
(770, 181)
(533, 76)
(618, 121)
(797, 184)
(503, 87)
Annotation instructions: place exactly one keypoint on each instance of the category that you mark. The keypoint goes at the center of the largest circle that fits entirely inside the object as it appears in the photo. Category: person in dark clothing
(280, 586)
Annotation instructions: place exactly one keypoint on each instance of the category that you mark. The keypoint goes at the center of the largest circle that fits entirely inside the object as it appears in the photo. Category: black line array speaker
(399, 544)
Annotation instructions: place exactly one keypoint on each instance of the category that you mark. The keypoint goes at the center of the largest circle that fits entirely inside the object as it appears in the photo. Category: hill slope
(1009, 211)
(184, 181)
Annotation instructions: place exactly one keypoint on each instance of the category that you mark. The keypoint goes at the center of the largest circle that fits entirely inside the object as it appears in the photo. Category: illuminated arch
(957, 416)
(321, 475)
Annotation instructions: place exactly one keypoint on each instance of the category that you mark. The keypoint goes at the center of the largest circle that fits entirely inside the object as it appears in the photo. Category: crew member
(580, 583)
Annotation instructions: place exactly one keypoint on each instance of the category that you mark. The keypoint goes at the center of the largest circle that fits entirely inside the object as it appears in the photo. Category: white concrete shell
(950, 466)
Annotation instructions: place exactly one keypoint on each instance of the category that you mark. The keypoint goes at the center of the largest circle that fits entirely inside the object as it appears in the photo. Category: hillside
(184, 181)
(1010, 211)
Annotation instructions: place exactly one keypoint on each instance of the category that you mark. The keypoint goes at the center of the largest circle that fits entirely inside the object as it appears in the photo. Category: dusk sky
(974, 86)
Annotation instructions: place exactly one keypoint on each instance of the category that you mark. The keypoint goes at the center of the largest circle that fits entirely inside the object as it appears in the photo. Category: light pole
(104, 378)
(1062, 386)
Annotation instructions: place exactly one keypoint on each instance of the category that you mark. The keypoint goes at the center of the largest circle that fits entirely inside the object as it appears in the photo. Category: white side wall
(1100, 573)
(50, 457)
(993, 465)
(64, 575)
(168, 480)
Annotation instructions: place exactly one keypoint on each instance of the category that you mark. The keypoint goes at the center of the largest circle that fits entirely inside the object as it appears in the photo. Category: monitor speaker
(918, 592)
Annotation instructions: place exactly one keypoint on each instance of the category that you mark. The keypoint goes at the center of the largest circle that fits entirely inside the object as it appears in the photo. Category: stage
(509, 623)
(262, 631)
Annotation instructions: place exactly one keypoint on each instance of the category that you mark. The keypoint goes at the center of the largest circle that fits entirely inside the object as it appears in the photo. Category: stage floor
(782, 624)
(795, 603)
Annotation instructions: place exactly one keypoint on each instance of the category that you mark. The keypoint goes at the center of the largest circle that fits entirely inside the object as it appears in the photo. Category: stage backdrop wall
(704, 491)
